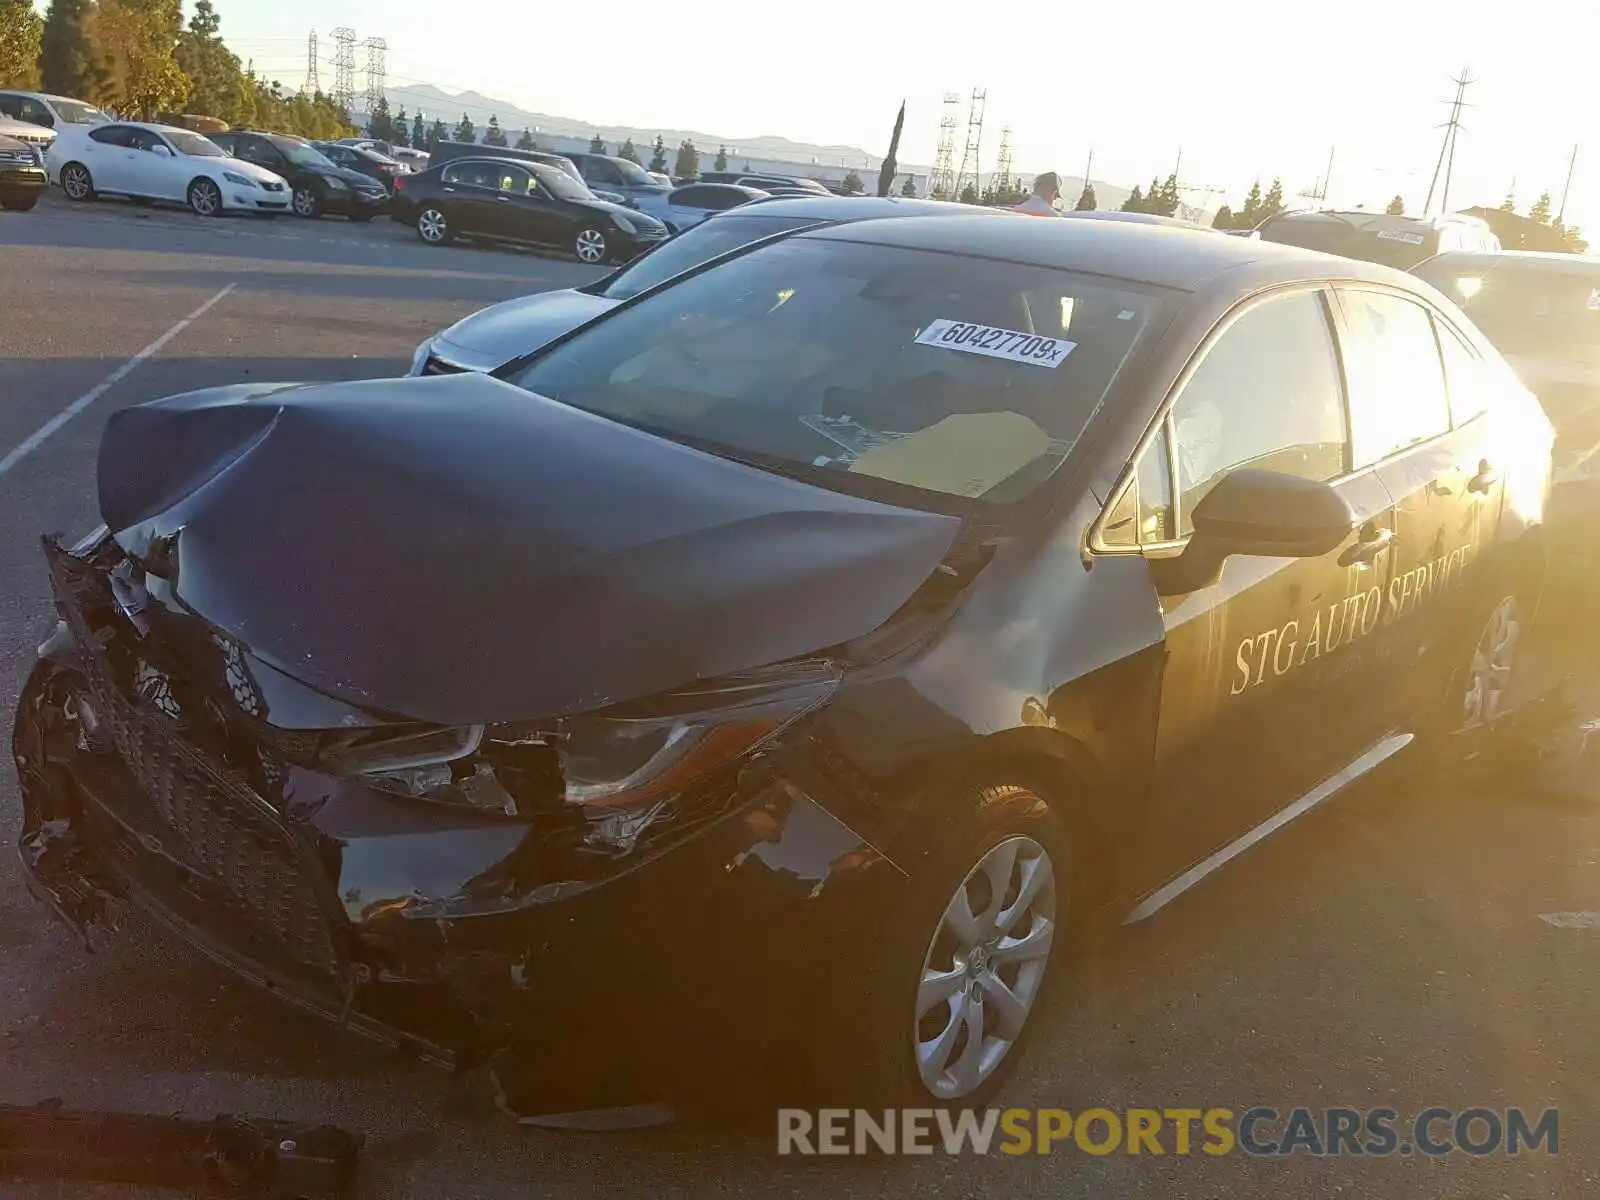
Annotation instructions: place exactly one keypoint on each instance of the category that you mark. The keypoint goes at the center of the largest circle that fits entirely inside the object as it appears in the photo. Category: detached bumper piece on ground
(229, 1155)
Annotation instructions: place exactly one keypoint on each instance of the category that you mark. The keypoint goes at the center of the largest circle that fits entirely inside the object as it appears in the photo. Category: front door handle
(502, 199)
(1371, 542)
(1485, 479)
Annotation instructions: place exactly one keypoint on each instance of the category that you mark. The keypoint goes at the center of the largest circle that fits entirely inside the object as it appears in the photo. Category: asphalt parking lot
(1401, 946)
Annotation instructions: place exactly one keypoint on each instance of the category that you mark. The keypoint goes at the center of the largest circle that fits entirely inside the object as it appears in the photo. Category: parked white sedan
(160, 162)
(686, 207)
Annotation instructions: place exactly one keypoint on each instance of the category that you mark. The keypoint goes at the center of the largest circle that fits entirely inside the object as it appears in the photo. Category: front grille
(437, 366)
(225, 832)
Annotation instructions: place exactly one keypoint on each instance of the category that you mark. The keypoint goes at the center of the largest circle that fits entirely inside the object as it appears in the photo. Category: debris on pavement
(228, 1155)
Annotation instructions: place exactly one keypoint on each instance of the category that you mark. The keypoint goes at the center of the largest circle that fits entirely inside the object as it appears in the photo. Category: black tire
(306, 203)
(77, 184)
(867, 1059)
(591, 246)
(433, 226)
(205, 198)
(19, 203)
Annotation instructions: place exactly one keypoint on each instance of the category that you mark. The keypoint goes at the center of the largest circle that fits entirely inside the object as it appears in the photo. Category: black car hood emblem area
(456, 549)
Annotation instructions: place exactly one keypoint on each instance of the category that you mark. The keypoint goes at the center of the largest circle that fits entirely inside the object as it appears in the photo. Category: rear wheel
(433, 226)
(77, 183)
(205, 198)
(19, 203)
(590, 245)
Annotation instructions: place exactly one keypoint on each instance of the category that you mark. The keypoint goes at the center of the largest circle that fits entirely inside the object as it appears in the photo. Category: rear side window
(112, 135)
(1397, 387)
(1466, 376)
(1266, 395)
(473, 174)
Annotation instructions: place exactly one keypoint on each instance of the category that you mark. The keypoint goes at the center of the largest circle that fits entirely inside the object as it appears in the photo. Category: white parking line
(1572, 920)
(49, 429)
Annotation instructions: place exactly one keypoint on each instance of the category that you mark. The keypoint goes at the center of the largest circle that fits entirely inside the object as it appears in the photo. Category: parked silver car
(685, 207)
(493, 337)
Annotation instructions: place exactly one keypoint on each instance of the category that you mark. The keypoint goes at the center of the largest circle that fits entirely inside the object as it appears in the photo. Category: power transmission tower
(971, 157)
(377, 71)
(941, 181)
(313, 84)
(1447, 148)
(344, 68)
(1002, 163)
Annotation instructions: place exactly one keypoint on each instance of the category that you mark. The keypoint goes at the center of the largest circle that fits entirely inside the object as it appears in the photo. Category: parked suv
(318, 185)
(1393, 241)
(37, 137)
(22, 178)
(620, 175)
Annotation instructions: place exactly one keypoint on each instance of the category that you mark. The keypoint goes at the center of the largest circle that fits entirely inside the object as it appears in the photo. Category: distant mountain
(767, 152)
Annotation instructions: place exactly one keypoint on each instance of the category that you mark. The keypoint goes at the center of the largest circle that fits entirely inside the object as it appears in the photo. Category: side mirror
(1271, 514)
(161, 150)
(1259, 513)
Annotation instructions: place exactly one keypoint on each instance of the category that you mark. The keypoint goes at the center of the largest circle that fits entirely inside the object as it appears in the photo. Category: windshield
(302, 155)
(562, 185)
(1536, 314)
(633, 174)
(858, 365)
(74, 112)
(695, 246)
(195, 145)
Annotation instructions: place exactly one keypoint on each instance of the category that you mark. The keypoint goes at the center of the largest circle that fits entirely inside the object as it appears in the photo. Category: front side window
(863, 368)
(514, 180)
(1391, 359)
(1266, 395)
(694, 247)
(601, 171)
(301, 154)
(1143, 514)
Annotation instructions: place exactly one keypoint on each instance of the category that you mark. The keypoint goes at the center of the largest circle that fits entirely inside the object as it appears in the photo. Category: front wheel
(590, 246)
(306, 203)
(19, 203)
(433, 227)
(945, 1011)
(205, 198)
(77, 183)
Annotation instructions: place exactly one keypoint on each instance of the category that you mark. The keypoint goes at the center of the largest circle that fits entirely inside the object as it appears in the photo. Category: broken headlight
(621, 767)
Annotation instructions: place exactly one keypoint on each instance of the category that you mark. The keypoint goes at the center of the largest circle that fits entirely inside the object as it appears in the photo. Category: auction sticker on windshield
(994, 342)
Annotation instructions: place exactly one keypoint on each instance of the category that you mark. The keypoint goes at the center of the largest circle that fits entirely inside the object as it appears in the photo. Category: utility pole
(1088, 171)
(1327, 175)
(1567, 187)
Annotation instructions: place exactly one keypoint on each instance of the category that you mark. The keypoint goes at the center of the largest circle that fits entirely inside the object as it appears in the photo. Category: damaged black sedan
(806, 654)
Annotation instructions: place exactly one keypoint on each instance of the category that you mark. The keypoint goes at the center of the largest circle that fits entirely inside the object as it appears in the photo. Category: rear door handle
(1485, 479)
(1371, 542)
(502, 199)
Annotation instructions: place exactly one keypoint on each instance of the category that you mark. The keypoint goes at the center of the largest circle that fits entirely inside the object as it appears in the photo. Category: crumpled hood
(494, 336)
(455, 549)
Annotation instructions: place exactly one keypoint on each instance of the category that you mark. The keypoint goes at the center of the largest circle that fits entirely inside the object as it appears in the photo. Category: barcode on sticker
(1400, 235)
(995, 342)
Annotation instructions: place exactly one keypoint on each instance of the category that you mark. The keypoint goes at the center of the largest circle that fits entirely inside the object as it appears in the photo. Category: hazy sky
(1245, 88)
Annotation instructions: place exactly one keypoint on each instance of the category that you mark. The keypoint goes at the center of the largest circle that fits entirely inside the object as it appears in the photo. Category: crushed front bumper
(408, 924)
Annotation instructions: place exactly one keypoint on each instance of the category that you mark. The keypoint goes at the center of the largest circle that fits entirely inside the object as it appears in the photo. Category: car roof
(753, 192)
(1139, 218)
(1158, 255)
(1551, 262)
(845, 208)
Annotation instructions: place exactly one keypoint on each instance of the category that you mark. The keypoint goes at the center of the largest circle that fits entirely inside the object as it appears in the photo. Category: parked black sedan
(22, 176)
(503, 200)
(799, 657)
(320, 185)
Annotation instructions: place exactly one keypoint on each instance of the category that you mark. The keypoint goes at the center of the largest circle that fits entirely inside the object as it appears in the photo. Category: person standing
(1042, 201)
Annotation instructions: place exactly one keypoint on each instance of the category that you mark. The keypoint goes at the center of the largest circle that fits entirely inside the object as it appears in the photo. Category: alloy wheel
(205, 198)
(75, 182)
(984, 968)
(432, 226)
(590, 246)
(1493, 660)
(305, 202)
